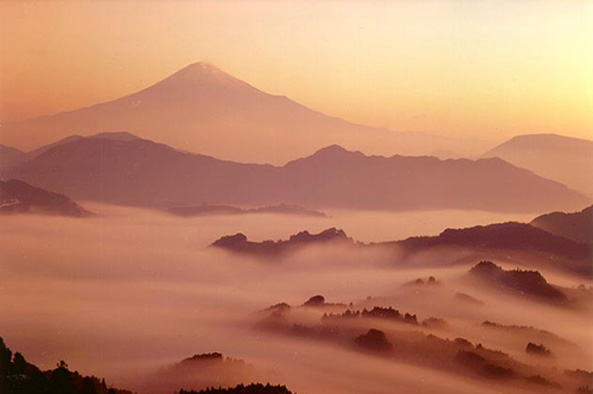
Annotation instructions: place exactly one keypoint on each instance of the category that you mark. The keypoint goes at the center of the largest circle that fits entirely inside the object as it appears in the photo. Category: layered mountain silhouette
(19, 197)
(563, 159)
(135, 171)
(374, 332)
(239, 243)
(484, 241)
(577, 226)
(203, 109)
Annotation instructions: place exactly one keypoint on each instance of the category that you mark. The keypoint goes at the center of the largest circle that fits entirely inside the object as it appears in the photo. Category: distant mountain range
(212, 210)
(124, 169)
(203, 109)
(19, 197)
(563, 159)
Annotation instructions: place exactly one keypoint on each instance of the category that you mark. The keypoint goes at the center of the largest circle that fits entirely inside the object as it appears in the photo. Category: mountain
(504, 236)
(9, 156)
(563, 159)
(499, 239)
(203, 109)
(352, 179)
(112, 135)
(142, 172)
(238, 243)
(19, 197)
(577, 226)
(525, 283)
(38, 151)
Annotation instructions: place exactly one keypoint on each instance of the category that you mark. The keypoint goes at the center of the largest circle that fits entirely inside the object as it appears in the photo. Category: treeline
(377, 312)
(17, 376)
(254, 388)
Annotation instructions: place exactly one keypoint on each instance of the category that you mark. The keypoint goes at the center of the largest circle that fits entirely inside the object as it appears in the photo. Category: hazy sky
(465, 68)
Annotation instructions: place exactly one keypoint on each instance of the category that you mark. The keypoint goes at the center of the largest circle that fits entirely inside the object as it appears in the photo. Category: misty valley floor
(131, 292)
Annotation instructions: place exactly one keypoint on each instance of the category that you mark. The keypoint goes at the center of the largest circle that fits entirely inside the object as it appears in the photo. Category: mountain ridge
(17, 196)
(509, 235)
(577, 226)
(567, 160)
(144, 172)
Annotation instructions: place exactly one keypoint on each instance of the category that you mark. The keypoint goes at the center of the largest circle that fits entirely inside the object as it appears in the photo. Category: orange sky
(486, 69)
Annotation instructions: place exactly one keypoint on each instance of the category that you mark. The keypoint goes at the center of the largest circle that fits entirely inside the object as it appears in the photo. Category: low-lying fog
(134, 290)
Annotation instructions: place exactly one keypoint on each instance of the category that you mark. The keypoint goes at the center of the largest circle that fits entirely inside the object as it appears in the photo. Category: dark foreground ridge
(17, 376)
(239, 243)
(19, 197)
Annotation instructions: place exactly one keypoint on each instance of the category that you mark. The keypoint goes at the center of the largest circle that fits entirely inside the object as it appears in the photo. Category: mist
(131, 291)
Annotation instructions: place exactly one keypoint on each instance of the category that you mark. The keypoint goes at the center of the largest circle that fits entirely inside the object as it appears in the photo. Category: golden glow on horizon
(485, 69)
